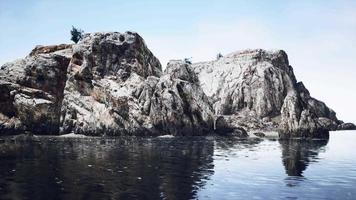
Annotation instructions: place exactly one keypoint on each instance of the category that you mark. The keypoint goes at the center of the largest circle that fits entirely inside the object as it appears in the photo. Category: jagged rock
(178, 69)
(257, 89)
(115, 87)
(243, 120)
(178, 105)
(111, 84)
(31, 93)
(228, 125)
(302, 115)
(103, 75)
(49, 49)
(254, 80)
(346, 126)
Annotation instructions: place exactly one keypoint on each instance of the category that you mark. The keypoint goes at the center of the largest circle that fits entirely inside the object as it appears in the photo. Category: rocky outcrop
(346, 126)
(256, 80)
(107, 84)
(112, 84)
(115, 87)
(256, 90)
(49, 49)
(302, 115)
(32, 92)
(103, 73)
(178, 104)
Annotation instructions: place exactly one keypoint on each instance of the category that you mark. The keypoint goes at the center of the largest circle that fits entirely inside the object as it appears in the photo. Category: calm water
(178, 168)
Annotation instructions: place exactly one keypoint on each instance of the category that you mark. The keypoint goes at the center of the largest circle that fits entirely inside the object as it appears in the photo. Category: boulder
(229, 126)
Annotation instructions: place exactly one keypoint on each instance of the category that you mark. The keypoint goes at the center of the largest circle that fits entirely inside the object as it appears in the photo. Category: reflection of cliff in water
(297, 154)
(122, 168)
(128, 168)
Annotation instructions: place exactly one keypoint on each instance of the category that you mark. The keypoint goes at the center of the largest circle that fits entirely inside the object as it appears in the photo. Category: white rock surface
(256, 90)
(111, 84)
(115, 87)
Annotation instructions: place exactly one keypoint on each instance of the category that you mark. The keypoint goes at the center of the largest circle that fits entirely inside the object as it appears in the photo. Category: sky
(319, 36)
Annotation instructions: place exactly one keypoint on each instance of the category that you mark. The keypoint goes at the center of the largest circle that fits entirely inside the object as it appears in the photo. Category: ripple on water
(177, 168)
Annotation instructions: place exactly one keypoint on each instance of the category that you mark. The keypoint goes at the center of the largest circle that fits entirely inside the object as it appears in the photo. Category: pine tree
(77, 34)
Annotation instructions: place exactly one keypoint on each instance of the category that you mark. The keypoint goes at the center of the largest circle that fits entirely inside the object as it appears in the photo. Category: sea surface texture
(177, 168)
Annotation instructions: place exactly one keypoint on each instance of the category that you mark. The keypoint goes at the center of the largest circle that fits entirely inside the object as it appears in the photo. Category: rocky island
(112, 84)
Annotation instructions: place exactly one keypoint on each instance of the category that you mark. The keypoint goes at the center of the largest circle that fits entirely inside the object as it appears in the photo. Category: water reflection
(125, 168)
(298, 154)
(147, 168)
(229, 144)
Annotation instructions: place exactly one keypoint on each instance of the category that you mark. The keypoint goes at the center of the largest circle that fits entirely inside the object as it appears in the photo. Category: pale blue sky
(318, 35)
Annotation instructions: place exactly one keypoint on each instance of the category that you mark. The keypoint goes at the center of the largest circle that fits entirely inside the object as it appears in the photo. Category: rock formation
(112, 84)
(256, 90)
(31, 92)
(107, 84)
(178, 104)
(104, 71)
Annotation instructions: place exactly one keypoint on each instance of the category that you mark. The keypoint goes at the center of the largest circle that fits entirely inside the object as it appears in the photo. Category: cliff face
(104, 70)
(107, 84)
(31, 92)
(257, 90)
(178, 104)
(111, 84)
